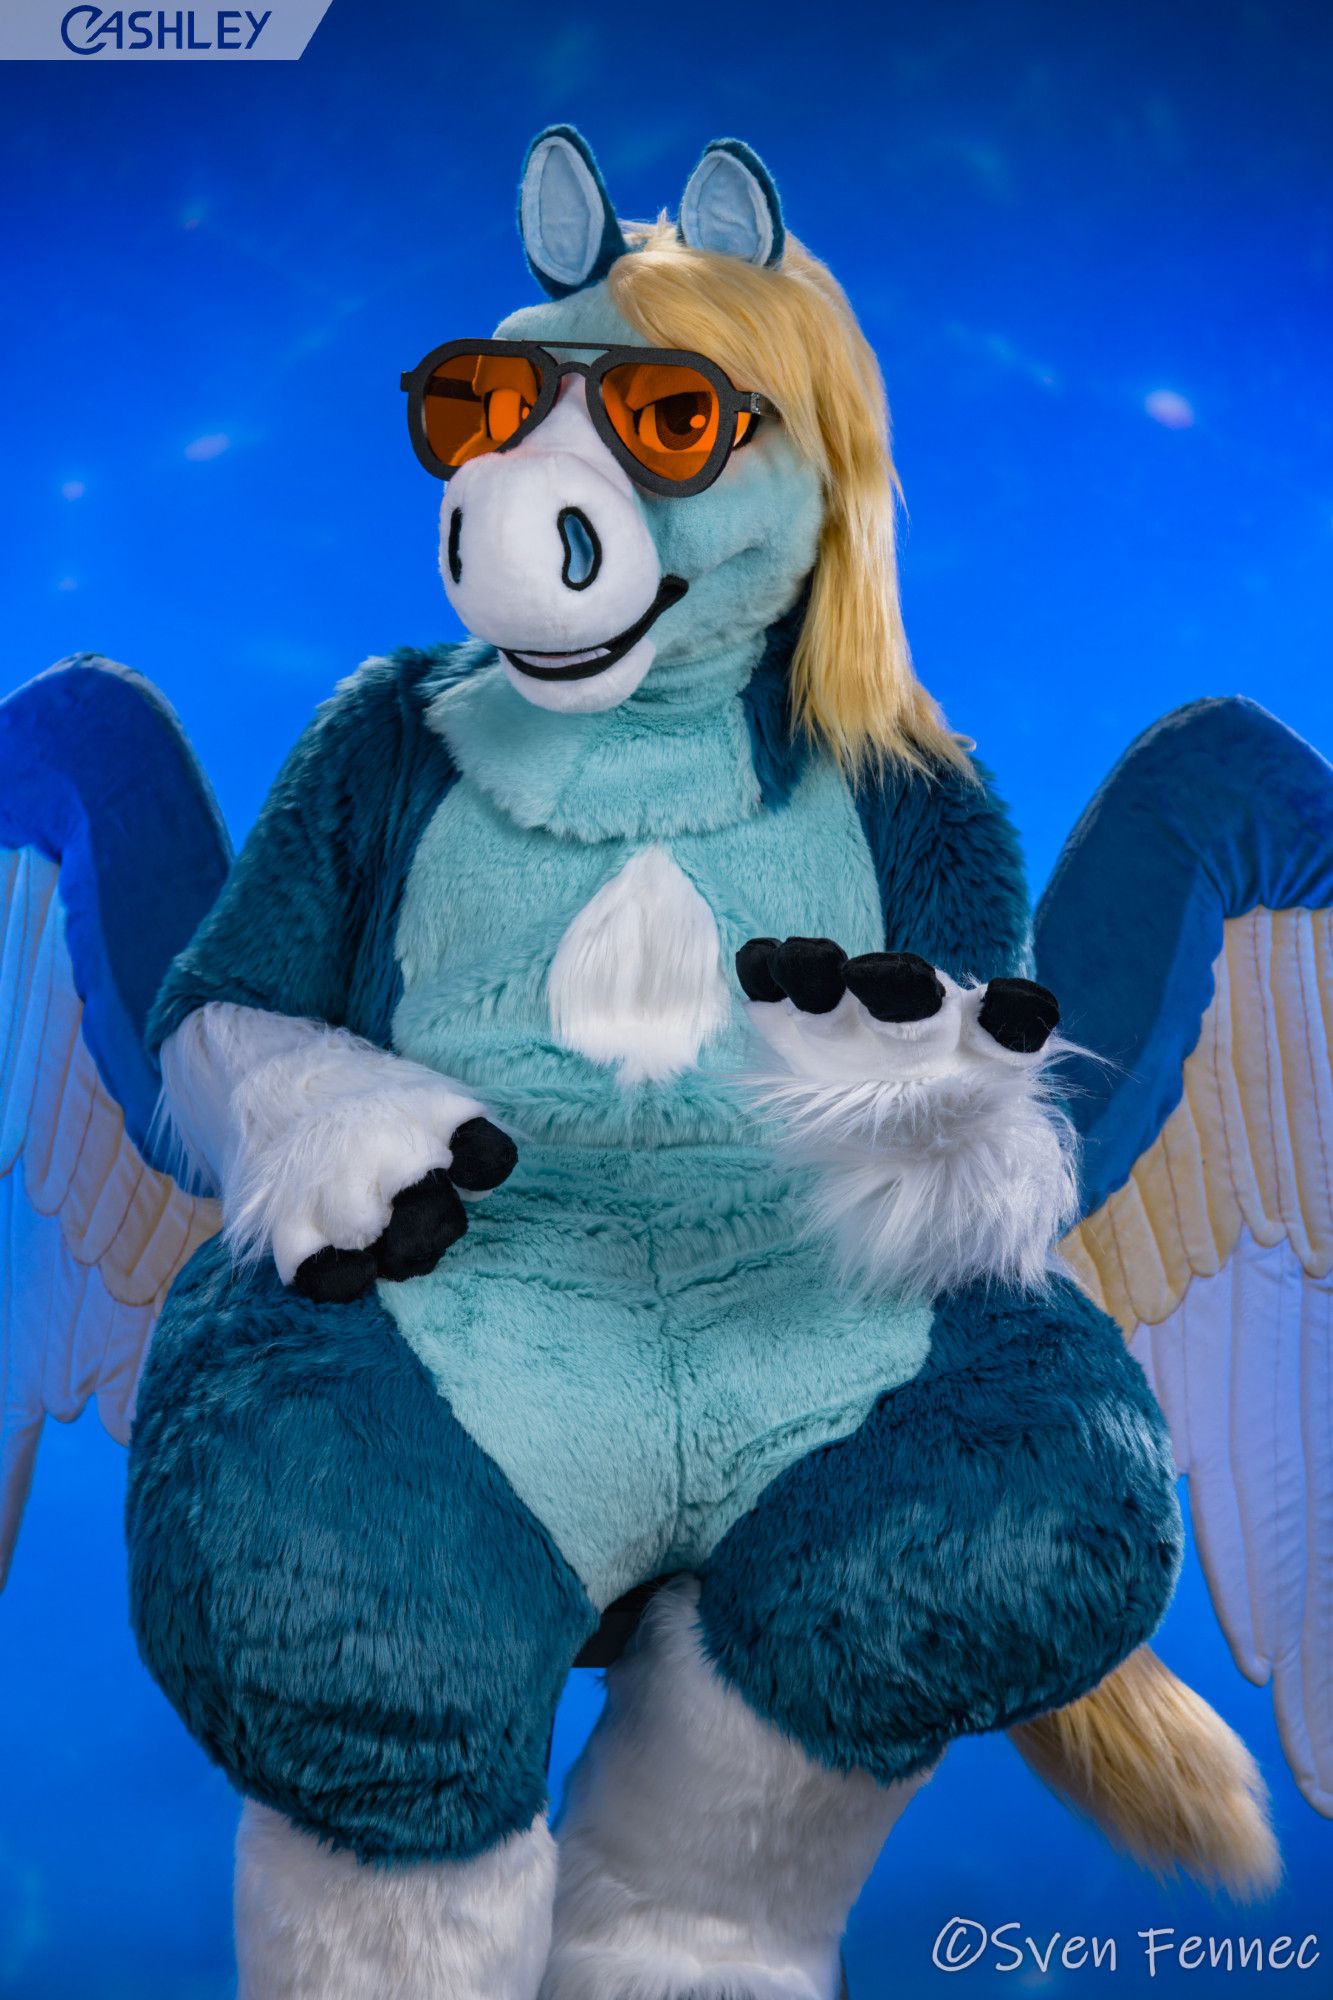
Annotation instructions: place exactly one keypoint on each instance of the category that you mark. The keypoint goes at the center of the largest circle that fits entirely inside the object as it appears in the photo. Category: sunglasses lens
(665, 414)
(474, 403)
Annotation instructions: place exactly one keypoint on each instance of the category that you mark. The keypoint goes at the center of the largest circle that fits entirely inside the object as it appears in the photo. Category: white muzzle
(546, 554)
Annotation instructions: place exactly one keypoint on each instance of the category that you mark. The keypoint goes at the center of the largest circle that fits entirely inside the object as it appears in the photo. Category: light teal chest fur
(634, 1327)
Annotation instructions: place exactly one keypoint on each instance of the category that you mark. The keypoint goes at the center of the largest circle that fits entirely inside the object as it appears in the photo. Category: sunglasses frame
(551, 369)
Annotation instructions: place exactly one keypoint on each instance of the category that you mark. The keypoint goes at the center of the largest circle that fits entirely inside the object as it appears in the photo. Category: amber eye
(675, 423)
(506, 409)
(665, 413)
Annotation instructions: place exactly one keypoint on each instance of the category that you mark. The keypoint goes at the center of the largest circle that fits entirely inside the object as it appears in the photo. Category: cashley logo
(43, 30)
(89, 31)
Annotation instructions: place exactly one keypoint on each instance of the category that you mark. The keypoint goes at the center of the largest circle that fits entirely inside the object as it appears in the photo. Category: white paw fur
(308, 1131)
(315, 1925)
(702, 1852)
(940, 1155)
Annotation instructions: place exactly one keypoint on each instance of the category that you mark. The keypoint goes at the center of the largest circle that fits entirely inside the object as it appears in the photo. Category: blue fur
(679, 1339)
(746, 545)
(496, 882)
(96, 774)
(642, 1343)
(778, 752)
(873, 1600)
(997, 1535)
(1215, 810)
(340, 1594)
(306, 922)
(674, 759)
(950, 871)
(550, 1291)
(908, 1527)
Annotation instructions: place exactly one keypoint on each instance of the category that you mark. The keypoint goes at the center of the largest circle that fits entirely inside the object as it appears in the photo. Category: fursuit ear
(730, 204)
(569, 228)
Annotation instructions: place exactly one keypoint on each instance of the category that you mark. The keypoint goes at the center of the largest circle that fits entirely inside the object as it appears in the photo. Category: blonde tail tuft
(1162, 1775)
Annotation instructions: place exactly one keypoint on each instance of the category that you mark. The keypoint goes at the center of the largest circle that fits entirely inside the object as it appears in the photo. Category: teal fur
(745, 546)
(680, 1339)
(635, 1359)
(673, 759)
(341, 1596)
(950, 871)
(995, 1538)
(642, 1341)
(489, 899)
(306, 921)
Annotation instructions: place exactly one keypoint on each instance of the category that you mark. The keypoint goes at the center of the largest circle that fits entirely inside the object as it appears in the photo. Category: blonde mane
(791, 334)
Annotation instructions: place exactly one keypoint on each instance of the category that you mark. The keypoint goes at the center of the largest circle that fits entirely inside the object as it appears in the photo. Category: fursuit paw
(924, 1104)
(890, 1012)
(424, 1219)
(345, 1161)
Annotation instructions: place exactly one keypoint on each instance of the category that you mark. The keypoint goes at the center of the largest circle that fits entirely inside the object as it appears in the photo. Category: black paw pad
(336, 1277)
(754, 969)
(810, 973)
(483, 1156)
(1019, 1014)
(427, 1217)
(895, 985)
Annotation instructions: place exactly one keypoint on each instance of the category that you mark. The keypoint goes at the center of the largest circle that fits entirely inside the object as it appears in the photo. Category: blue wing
(1188, 930)
(111, 850)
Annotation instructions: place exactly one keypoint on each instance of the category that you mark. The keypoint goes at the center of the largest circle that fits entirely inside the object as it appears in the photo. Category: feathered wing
(1188, 930)
(111, 849)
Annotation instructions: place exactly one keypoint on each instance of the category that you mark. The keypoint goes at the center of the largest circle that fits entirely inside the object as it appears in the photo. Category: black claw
(483, 1156)
(1019, 1014)
(754, 969)
(335, 1277)
(427, 1217)
(895, 985)
(810, 973)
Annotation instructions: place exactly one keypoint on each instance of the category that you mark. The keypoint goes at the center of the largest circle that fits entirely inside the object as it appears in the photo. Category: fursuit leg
(315, 1925)
(703, 1855)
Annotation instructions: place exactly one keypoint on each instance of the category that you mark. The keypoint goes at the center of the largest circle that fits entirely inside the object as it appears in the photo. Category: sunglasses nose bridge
(670, 465)
(569, 431)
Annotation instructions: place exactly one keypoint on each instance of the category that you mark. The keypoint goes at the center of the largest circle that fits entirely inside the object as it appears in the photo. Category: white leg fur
(940, 1154)
(703, 1852)
(308, 1131)
(314, 1925)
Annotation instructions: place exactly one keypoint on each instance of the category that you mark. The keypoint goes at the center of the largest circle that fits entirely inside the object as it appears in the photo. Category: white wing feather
(1216, 1257)
(90, 1236)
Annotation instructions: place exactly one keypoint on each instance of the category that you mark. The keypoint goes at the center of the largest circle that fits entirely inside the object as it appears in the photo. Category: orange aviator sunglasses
(671, 418)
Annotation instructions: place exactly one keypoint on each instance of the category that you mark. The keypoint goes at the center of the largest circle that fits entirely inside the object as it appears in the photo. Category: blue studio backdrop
(1093, 248)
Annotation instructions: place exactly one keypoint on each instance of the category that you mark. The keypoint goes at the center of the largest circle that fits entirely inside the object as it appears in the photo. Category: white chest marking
(638, 977)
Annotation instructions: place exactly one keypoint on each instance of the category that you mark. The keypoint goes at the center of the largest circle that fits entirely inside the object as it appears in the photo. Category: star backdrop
(1093, 248)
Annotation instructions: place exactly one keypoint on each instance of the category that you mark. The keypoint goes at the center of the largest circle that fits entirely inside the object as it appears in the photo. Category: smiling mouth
(592, 660)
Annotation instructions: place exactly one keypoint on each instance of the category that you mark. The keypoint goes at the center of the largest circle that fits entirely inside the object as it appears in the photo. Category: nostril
(583, 551)
(452, 555)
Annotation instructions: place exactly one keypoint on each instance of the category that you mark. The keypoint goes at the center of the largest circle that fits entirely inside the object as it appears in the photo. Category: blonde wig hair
(791, 334)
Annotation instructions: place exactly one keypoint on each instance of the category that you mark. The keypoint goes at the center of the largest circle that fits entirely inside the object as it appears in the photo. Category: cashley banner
(52, 30)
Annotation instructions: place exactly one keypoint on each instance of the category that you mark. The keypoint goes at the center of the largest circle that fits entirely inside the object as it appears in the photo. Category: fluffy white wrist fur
(940, 1156)
(308, 1131)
